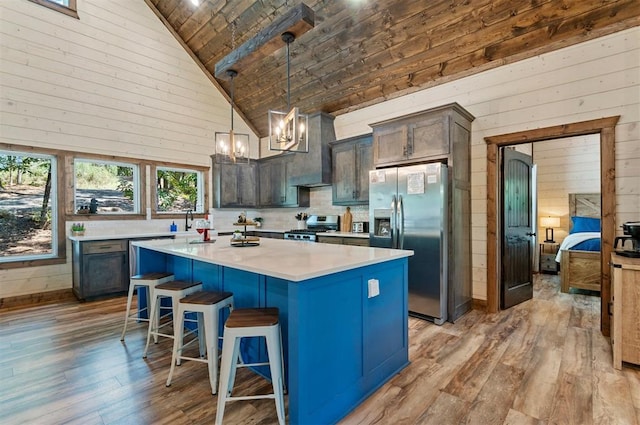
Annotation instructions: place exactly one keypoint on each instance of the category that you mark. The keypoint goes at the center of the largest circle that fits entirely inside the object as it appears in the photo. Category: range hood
(313, 168)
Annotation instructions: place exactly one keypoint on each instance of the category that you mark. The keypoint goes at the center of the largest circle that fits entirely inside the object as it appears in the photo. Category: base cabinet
(625, 298)
(344, 240)
(100, 268)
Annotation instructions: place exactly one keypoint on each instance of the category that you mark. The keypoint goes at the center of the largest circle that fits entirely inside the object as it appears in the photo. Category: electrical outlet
(374, 288)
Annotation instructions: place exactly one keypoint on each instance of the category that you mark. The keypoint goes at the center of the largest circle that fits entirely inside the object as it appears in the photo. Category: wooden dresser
(625, 298)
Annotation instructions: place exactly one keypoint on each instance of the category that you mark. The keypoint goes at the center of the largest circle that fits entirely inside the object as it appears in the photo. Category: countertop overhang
(285, 259)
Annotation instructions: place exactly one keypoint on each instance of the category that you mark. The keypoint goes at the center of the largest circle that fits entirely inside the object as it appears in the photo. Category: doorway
(605, 127)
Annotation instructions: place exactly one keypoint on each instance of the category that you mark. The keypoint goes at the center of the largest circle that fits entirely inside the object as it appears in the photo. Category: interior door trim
(605, 127)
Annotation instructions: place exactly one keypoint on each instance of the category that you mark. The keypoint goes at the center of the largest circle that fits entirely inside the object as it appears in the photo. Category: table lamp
(549, 223)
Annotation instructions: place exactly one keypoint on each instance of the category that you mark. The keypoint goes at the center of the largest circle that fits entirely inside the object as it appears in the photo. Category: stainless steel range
(315, 224)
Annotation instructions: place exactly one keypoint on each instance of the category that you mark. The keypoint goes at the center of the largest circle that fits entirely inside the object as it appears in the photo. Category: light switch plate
(374, 288)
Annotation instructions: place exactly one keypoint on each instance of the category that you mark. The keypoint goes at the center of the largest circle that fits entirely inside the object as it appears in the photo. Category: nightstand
(548, 251)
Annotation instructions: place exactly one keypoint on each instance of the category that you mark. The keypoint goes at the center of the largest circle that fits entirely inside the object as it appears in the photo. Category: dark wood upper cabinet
(235, 184)
(276, 189)
(352, 159)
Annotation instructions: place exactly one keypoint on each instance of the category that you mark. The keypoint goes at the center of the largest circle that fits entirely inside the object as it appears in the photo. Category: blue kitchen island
(343, 311)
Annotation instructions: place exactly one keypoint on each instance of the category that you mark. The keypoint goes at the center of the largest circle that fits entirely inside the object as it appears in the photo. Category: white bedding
(573, 240)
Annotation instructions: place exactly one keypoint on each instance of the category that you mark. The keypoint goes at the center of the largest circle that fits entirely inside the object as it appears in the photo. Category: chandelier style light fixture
(235, 145)
(288, 130)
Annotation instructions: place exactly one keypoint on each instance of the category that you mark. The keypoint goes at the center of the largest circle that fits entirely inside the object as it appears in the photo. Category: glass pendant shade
(288, 131)
(232, 144)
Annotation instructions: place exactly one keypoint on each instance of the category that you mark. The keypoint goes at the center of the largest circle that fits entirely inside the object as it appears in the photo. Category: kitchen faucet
(187, 226)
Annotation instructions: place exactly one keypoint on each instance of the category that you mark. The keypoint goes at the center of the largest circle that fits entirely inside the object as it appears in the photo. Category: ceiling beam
(297, 21)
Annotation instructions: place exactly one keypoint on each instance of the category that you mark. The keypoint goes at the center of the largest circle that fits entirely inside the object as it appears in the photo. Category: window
(105, 187)
(179, 190)
(28, 206)
(68, 7)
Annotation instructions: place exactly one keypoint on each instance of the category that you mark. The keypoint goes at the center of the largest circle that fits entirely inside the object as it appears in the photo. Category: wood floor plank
(573, 403)
(536, 394)
(612, 402)
(517, 418)
(541, 362)
(492, 405)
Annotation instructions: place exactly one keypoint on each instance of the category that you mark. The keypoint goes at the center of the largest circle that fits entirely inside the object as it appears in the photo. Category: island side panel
(342, 344)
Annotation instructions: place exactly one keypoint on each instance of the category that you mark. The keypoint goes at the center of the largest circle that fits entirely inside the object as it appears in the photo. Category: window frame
(70, 10)
(138, 183)
(200, 187)
(203, 188)
(58, 236)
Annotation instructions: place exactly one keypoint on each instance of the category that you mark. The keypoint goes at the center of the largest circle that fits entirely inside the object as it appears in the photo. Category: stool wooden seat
(207, 305)
(175, 290)
(245, 323)
(147, 281)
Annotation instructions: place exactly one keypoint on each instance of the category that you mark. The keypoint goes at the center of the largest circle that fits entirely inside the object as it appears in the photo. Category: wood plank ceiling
(362, 52)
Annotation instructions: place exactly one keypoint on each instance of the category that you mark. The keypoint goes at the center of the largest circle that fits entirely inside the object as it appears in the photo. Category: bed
(579, 255)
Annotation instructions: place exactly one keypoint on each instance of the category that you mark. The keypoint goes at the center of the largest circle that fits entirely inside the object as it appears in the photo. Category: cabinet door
(228, 186)
(390, 144)
(247, 187)
(290, 192)
(344, 174)
(105, 273)
(364, 164)
(429, 138)
(264, 176)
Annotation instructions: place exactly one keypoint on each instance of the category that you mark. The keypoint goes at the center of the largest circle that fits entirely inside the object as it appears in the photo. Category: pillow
(585, 224)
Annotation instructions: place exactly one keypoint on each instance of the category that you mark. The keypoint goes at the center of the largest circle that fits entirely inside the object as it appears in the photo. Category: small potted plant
(77, 229)
(258, 221)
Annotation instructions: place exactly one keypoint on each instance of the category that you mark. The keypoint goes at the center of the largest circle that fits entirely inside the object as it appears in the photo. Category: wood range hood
(313, 168)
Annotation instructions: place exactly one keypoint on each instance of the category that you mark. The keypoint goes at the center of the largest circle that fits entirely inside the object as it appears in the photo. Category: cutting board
(345, 223)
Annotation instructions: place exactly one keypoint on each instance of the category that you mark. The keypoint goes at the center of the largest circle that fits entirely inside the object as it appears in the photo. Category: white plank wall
(116, 81)
(590, 80)
(565, 166)
(113, 82)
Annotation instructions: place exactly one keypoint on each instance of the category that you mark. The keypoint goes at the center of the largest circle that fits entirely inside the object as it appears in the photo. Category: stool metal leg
(178, 322)
(228, 348)
(211, 342)
(154, 322)
(132, 288)
(274, 351)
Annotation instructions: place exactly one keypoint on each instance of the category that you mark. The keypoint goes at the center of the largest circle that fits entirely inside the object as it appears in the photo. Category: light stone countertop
(285, 259)
(133, 235)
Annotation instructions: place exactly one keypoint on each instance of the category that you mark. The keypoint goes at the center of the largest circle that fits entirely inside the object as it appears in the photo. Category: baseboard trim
(478, 304)
(29, 300)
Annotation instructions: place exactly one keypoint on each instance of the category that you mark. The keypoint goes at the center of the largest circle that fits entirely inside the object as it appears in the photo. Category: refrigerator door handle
(401, 222)
(394, 233)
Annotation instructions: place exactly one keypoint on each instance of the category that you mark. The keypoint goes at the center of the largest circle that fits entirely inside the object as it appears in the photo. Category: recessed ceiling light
(195, 2)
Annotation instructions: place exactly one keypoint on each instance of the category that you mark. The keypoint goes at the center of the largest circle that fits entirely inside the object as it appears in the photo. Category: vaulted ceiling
(362, 52)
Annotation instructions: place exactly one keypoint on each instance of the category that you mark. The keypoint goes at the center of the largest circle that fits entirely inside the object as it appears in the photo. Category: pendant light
(288, 130)
(235, 145)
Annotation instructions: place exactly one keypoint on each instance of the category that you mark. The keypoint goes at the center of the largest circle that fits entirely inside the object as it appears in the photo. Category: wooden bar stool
(244, 323)
(175, 290)
(207, 305)
(148, 282)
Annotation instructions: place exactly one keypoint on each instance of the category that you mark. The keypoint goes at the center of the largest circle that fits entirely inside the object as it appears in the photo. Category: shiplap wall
(83, 85)
(594, 79)
(570, 165)
(113, 82)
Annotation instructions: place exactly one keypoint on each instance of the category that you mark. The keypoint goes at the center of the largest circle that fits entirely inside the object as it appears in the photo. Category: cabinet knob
(530, 234)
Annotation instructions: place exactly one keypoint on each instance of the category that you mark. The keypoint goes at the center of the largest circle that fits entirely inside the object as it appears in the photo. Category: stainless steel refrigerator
(408, 210)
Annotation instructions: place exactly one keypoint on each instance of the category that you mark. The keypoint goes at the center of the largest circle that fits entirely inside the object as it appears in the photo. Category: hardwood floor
(542, 362)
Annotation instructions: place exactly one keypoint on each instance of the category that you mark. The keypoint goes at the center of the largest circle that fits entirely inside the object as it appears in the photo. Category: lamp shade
(550, 222)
